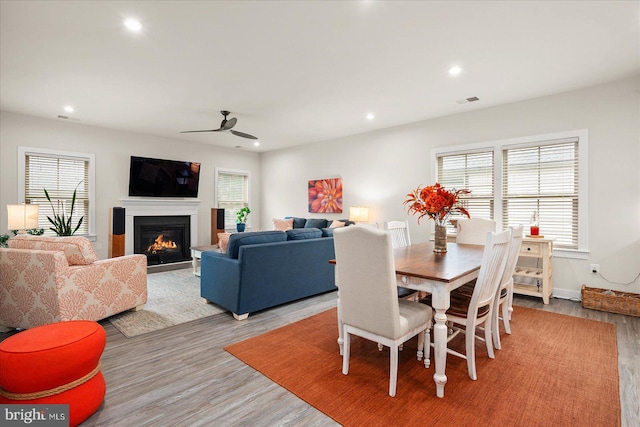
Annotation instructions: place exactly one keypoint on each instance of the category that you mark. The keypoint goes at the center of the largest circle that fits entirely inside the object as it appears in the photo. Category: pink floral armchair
(52, 279)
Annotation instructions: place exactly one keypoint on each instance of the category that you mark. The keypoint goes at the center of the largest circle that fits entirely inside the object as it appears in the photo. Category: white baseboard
(567, 294)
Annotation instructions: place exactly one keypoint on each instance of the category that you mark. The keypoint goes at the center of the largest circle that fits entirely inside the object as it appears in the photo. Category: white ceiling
(296, 72)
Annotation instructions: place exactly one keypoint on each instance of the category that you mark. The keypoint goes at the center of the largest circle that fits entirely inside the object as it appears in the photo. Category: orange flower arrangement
(435, 202)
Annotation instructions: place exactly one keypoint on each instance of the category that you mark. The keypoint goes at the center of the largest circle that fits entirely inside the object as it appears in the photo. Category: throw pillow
(336, 224)
(283, 224)
(223, 241)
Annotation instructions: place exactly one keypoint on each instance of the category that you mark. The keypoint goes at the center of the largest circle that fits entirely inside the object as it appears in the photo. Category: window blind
(543, 178)
(60, 176)
(233, 195)
(472, 171)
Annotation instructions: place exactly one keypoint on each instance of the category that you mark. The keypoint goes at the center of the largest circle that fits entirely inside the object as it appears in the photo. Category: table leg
(440, 302)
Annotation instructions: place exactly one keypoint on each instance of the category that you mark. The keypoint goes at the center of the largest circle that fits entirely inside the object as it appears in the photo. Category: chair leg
(393, 369)
(495, 325)
(421, 350)
(345, 352)
(506, 316)
(510, 300)
(470, 341)
(427, 347)
(488, 337)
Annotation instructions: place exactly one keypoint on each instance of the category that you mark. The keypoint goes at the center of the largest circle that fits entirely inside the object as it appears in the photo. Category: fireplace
(163, 239)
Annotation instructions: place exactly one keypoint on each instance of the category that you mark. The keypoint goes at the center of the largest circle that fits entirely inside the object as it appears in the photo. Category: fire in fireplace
(163, 239)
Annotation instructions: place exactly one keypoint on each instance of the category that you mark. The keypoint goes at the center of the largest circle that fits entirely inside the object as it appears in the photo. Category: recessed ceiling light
(370, 116)
(455, 70)
(69, 109)
(133, 25)
(257, 143)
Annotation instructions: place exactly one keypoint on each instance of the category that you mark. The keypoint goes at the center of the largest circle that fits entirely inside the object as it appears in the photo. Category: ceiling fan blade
(191, 131)
(242, 134)
(228, 124)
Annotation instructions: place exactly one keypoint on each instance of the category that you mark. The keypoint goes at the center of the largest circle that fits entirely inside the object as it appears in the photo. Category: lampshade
(359, 214)
(22, 217)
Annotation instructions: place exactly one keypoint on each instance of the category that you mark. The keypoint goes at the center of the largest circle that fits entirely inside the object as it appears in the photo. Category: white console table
(196, 255)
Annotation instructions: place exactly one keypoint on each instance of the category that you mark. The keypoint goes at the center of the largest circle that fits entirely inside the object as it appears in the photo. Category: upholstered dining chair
(504, 296)
(473, 231)
(369, 306)
(467, 313)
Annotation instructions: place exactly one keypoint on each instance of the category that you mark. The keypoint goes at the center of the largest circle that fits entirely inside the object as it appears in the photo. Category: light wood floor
(181, 376)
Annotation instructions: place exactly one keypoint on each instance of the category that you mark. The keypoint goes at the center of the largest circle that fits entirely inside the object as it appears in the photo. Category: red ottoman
(56, 363)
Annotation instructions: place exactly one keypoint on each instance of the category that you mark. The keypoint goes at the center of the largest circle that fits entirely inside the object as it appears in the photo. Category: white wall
(112, 150)
(379, 168)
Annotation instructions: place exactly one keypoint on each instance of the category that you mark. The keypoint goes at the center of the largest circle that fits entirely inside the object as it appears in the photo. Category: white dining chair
(467, 313)
(399, 233)
(473, 231)
(369, 306)
(504, 296)
(400, 237)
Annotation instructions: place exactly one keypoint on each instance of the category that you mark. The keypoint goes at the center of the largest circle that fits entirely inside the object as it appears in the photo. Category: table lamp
(22, 217)
(359, 214)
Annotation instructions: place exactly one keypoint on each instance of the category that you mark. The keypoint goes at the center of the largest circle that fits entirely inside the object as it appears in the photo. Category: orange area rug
(554, 370)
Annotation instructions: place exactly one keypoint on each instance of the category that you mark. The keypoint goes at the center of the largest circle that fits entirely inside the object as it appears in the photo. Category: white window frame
(238, 172)
(23, 152)
(583, 194)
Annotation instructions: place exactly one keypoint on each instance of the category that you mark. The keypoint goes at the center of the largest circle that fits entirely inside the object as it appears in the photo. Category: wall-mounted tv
(163, 178)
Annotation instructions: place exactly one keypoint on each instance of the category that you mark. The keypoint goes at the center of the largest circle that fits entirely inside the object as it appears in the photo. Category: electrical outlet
(595, 268)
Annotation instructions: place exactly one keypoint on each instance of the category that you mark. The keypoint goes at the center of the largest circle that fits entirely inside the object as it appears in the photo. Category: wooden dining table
(419, 268)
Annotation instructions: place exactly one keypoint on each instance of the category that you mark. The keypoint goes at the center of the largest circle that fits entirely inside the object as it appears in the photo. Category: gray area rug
(173, 298)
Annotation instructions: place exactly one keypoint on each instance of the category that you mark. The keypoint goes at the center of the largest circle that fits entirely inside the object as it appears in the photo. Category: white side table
(196, 255)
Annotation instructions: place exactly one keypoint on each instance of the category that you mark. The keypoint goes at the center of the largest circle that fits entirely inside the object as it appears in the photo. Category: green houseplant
(241, 218)
(62, 225)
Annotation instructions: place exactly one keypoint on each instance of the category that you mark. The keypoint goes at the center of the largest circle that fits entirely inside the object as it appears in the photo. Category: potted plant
(61, 223)
(241, 218)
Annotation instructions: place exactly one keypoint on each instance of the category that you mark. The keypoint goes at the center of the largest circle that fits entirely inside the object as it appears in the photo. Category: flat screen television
(163, 178)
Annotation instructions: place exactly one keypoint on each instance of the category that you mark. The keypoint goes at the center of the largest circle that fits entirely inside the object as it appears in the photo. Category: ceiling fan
(226, 125)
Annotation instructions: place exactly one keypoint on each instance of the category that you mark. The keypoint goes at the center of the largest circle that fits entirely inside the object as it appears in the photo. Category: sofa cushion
(297, 222)
(327, 232)
(240, 239)
(77, 249)
(282, 224)
(303, 233)
(336, 224)
(315, 223)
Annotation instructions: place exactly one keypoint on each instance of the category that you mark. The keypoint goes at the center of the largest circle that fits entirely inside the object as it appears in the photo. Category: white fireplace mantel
(158, 207)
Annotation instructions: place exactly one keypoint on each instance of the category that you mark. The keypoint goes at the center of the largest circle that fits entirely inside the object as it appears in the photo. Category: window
(511, 179)
(60, 173)
(473, 171)
(232, 194)
(543, 178)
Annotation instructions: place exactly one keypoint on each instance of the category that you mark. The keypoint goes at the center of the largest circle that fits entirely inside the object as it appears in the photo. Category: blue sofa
(265, 269)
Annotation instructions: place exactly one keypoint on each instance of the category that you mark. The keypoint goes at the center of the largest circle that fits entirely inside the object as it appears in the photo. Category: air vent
(468, 100)
(60, 116)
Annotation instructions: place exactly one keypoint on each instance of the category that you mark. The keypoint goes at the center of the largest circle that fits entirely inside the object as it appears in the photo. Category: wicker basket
(611, 301)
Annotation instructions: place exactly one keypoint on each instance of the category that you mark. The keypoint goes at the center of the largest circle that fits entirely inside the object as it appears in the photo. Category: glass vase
(440, 243)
